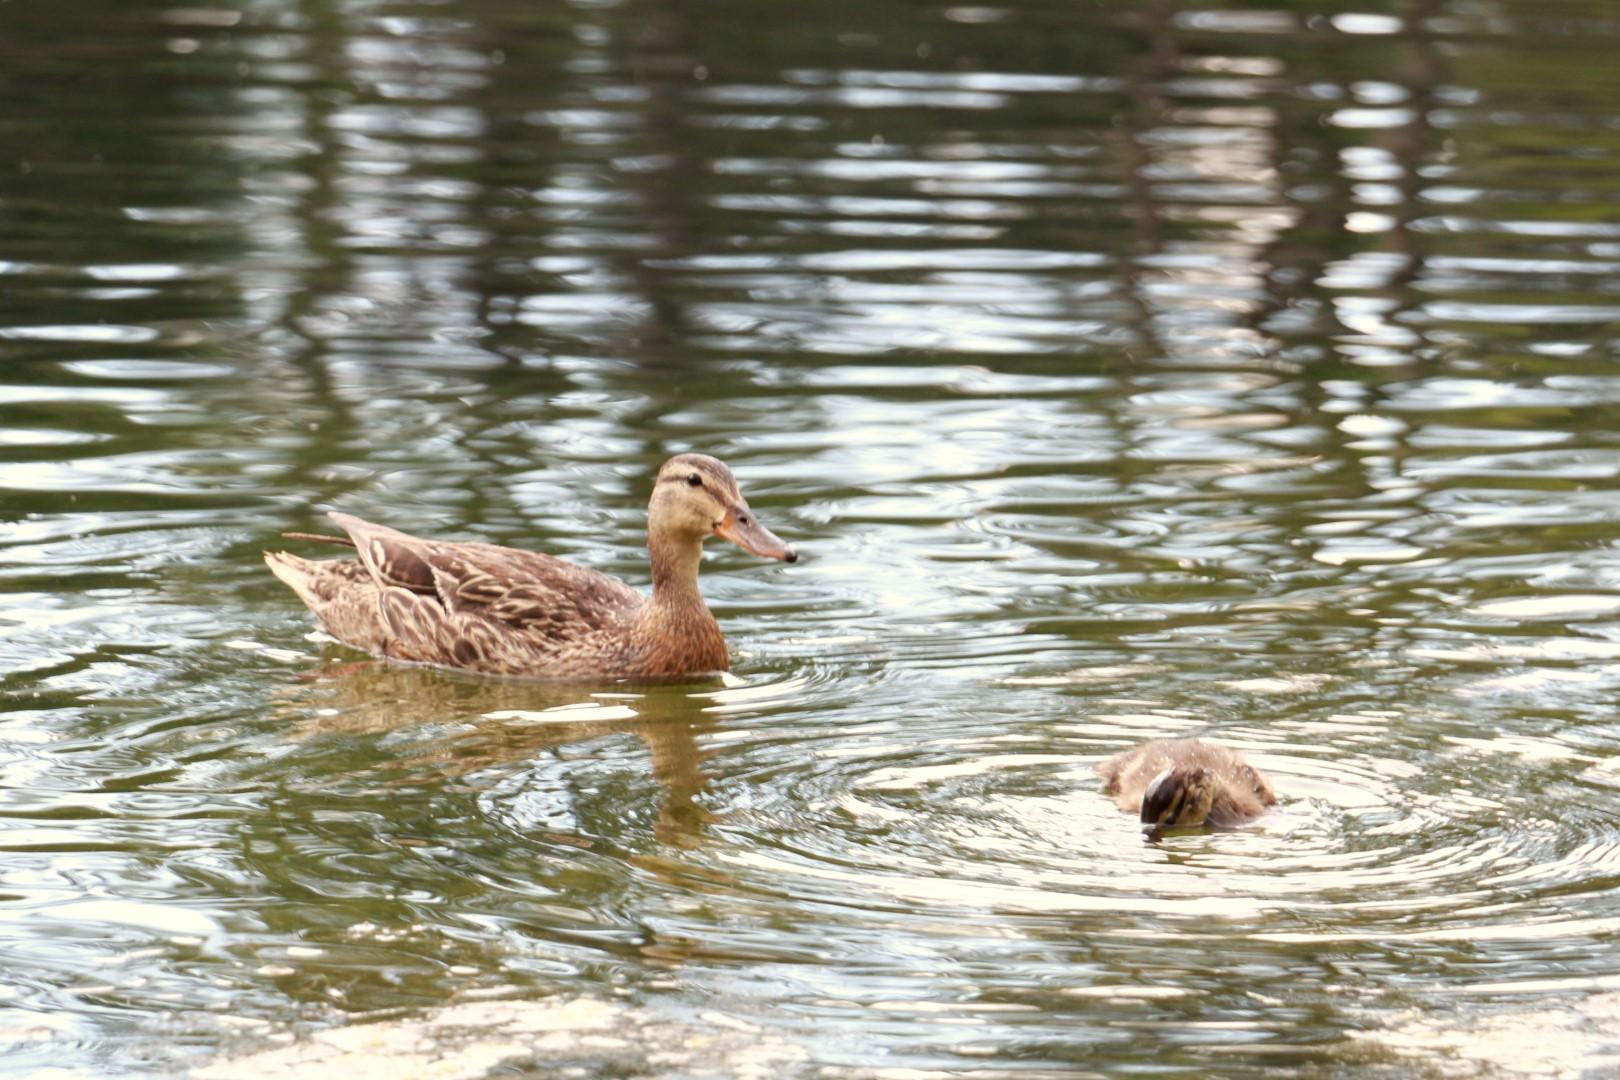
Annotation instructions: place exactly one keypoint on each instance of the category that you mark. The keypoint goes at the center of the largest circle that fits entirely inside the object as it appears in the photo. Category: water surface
(1120, 371)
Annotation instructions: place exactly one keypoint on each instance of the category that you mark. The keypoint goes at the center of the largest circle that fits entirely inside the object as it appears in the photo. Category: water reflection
(440, 727)
(1128, 374)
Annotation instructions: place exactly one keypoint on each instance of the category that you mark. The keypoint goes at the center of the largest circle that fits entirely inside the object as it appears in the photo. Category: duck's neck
(675, 572)
(676, 630)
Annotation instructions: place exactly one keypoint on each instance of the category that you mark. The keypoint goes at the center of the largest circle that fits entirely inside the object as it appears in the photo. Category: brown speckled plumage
(501, 611)
(1240, 793)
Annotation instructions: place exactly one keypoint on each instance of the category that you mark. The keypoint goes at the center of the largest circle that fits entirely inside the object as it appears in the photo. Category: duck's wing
(464, 603)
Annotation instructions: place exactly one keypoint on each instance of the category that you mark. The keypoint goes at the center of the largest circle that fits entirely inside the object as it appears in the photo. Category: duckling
(1178, 783)
(500, 611)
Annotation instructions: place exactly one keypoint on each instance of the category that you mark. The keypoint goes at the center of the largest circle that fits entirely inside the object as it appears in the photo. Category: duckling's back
(1126, 776)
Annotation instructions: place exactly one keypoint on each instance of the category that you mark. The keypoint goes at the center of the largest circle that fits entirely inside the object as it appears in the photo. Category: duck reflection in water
(1186, 783)
(470, 725)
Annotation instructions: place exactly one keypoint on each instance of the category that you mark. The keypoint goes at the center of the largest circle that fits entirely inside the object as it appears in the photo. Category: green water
(1119, 371)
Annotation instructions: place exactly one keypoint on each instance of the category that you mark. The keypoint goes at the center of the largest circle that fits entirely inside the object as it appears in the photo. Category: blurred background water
(1120, 370)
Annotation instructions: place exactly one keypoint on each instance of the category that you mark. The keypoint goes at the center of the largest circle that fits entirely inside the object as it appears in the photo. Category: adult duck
(1180, 783)
(501, 611)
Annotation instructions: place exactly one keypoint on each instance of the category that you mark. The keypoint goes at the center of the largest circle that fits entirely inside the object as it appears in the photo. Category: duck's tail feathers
(318, 538)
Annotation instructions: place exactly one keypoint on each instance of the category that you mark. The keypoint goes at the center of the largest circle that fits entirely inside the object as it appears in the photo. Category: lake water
(1119, 370)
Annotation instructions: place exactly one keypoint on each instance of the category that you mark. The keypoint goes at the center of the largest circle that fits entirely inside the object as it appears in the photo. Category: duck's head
(1179, 796)
(696, 497)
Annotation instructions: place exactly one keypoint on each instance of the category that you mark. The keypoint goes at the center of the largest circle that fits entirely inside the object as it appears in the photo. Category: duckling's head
(696, 496)
(1179, 796)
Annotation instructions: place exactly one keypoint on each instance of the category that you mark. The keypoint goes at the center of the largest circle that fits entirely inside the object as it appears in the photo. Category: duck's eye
(695, 480)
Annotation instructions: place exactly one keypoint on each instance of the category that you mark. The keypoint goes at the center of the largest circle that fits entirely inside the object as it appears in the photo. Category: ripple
(20, 437)
(1517, 1041)
(1028, 834)
(146, 370)
(1563, 606)
(99, 333)
(164, 919)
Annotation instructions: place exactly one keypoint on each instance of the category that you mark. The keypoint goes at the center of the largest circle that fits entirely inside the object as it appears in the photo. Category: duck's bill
(742, 529)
